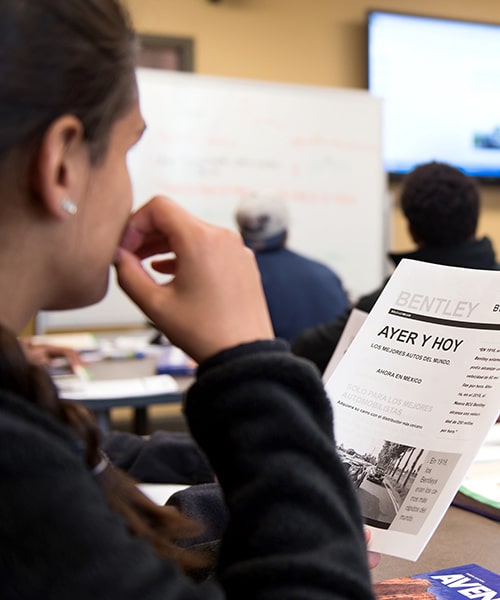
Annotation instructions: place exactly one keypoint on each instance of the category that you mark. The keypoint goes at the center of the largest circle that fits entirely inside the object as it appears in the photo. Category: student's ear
(58, 166)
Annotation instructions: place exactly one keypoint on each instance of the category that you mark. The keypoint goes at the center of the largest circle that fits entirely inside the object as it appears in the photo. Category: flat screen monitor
(439, 80)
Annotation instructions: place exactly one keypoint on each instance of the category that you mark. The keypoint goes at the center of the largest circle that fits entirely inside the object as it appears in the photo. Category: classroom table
(125, 369)
(461, 538)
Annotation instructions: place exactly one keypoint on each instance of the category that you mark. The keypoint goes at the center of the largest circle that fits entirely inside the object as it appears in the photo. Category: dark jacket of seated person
(441, 205)
(300, 292)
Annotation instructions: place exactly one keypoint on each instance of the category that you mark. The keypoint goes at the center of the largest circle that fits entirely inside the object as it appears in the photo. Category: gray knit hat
(262, 220)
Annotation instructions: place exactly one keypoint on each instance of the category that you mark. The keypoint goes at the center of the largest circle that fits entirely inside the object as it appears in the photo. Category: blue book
(456, 583)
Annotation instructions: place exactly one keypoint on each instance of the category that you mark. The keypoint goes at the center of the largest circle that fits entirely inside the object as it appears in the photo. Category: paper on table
(117, 388)
(490, 449)
(484, 489)
(160, 492)
(414, 396)
(480, 489)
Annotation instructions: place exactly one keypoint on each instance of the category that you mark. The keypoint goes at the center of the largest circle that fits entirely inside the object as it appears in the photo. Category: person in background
(74, 526)
(45, 354)
(441, 205)
(300, 292)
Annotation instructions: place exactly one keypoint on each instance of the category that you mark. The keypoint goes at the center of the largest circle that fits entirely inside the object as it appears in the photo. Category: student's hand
(215, 299)
(43, 354)
(373, 557)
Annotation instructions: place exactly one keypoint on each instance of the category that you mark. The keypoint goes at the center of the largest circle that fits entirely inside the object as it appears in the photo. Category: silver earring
(69, 206)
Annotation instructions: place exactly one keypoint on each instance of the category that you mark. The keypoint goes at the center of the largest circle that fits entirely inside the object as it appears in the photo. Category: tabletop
(123, 369)
(462, 537)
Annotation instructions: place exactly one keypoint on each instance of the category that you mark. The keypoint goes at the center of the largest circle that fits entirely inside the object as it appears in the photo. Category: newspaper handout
(414, 396)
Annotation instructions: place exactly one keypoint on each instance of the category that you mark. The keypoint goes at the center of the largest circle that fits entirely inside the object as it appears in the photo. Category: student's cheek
(118, 207)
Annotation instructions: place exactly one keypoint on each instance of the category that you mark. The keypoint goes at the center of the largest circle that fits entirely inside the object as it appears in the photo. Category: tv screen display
(439, 80)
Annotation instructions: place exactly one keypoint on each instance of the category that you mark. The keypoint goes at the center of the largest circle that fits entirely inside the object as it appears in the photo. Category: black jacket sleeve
(262, 419)
(162, 457)
(295, 529)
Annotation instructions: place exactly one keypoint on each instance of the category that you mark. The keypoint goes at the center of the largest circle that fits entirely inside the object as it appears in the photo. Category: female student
(71, 525)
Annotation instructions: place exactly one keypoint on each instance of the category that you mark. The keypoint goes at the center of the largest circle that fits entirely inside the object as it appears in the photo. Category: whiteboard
(209, 140)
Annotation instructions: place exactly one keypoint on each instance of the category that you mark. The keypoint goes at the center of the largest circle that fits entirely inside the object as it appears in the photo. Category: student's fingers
(37, 355)
(136, 282)
(42, 354)
(72, 356)
(161, 223)
(166, 266)
(368, 535)
(204, 309)
(373, 557)
(144, 244)
(215, 299)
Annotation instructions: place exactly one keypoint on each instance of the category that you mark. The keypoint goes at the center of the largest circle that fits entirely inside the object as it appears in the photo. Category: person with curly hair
(441, 205)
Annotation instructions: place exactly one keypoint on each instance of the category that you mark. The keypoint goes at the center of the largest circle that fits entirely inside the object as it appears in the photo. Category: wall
(318, 42)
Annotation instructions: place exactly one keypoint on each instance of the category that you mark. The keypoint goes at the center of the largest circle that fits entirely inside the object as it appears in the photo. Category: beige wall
(317, 42)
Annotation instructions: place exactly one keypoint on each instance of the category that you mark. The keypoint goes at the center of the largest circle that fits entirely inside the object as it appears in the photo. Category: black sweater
(264, 422)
